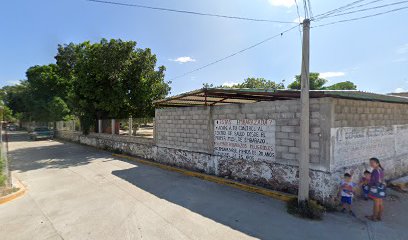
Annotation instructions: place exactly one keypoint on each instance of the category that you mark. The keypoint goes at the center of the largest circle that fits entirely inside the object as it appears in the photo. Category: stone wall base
(275, 176)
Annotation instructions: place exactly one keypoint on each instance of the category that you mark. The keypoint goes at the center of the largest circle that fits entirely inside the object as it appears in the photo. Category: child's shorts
(366, 189)
(346, 200)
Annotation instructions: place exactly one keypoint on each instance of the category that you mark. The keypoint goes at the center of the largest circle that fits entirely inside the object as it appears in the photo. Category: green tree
(16, 98)
(347, 85)
(258, 83)
(7, 114)
(111, 79)
(47, 92)
(317, 83)
(58, 109)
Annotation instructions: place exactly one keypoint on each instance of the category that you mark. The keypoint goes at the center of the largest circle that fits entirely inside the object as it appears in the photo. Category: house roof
(222, 96)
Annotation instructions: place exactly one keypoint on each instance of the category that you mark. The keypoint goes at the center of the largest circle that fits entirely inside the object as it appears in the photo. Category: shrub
(2, 180)
(306, 209)
(2, 177)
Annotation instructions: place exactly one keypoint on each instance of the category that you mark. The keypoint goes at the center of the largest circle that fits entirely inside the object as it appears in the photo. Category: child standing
(346, 192)
(364, 183)
(377, 189)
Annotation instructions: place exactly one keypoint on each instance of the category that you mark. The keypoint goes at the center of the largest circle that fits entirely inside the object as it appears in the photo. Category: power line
(234, 54)
(363, 17)
(362, 5)
(310, 8)
(297, 9)
(300, 19)
(363, 10)
(305, 9)
(339, 8)
(187, 12)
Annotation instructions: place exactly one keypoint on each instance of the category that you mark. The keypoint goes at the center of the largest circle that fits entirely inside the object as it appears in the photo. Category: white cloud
(332, 74)
(298, 20)
(13, 82)
(183, 59)
(403, 49)
(400, 60)
(400, 90)
(282, 3)
(229, 84)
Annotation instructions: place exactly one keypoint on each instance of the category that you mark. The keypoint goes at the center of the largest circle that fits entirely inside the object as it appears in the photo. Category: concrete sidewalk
(77, 192)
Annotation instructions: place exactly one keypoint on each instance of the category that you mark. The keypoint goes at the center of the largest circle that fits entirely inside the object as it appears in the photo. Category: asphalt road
(78, 192)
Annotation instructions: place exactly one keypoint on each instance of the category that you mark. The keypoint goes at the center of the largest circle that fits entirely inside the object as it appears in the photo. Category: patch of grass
(2, 177)
(117, 151)
(2, 180)
(7, 191)
(306, 209)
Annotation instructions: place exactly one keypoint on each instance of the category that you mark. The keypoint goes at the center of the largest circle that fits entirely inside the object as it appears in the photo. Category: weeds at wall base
(305, 209)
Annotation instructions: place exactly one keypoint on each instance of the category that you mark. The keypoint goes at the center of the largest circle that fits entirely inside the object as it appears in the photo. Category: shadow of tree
(255, 215)
(58, 155)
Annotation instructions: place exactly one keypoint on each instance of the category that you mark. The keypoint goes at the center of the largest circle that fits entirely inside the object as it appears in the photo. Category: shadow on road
(55, 155)
(15, 136)
(252, 214)
(225, 205)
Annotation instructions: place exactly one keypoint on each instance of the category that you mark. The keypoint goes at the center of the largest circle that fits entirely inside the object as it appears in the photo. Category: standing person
(346, 191)
(364, 183)
(377, 189)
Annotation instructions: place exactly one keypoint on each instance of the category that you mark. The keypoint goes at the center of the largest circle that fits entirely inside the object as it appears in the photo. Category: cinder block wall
(363, 117)
(191, 128)
(183, 128)
(356, 113)
(184, 138)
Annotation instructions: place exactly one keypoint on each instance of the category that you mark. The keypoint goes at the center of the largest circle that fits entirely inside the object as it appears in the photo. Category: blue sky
(372, 52)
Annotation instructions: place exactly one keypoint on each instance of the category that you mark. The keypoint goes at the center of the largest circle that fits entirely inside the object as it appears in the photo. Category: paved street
(78, 192)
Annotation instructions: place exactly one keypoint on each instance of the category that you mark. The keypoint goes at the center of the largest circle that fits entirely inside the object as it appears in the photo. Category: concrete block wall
(361, 116)
(179, 142)
(183, 128)
(192, 128)
(356, 113)
(287, 116)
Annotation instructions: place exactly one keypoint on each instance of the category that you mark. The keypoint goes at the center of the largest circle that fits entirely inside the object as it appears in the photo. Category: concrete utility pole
(130, 126)
(304, 178)
(99, 126)
(113, 131)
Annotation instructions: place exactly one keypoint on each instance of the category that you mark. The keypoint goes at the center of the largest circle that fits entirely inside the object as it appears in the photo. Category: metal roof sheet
(222, 96)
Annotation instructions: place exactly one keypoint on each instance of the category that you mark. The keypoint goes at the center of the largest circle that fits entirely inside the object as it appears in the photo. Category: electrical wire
(339, 9)
(363, 10)
(234, 54)
(187, 12)
(359, 18)
(300, 19)
(305, 9)
(362, 5)
(297, 10)
(310, 9)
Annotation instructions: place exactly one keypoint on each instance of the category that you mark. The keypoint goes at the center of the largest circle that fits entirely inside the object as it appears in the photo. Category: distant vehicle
(12, 128)
(41, 133)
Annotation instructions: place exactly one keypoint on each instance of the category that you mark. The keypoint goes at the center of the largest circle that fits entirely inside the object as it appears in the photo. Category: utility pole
(304, 179)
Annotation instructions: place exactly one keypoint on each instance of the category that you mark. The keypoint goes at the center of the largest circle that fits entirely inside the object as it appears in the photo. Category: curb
(403, 187)
(14, 195)
(285, 197)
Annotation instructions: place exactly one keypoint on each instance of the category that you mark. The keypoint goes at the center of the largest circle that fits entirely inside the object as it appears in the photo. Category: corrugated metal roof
(222, 96)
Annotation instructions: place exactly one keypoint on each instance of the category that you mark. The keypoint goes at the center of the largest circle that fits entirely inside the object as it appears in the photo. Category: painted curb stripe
(245, 187)
(14, 195)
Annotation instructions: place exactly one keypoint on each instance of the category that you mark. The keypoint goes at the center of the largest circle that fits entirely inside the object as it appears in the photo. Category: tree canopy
(318, 83)
(47, 92)
(107, 79)
(111, 79)
(252, 82)
(42, 97)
